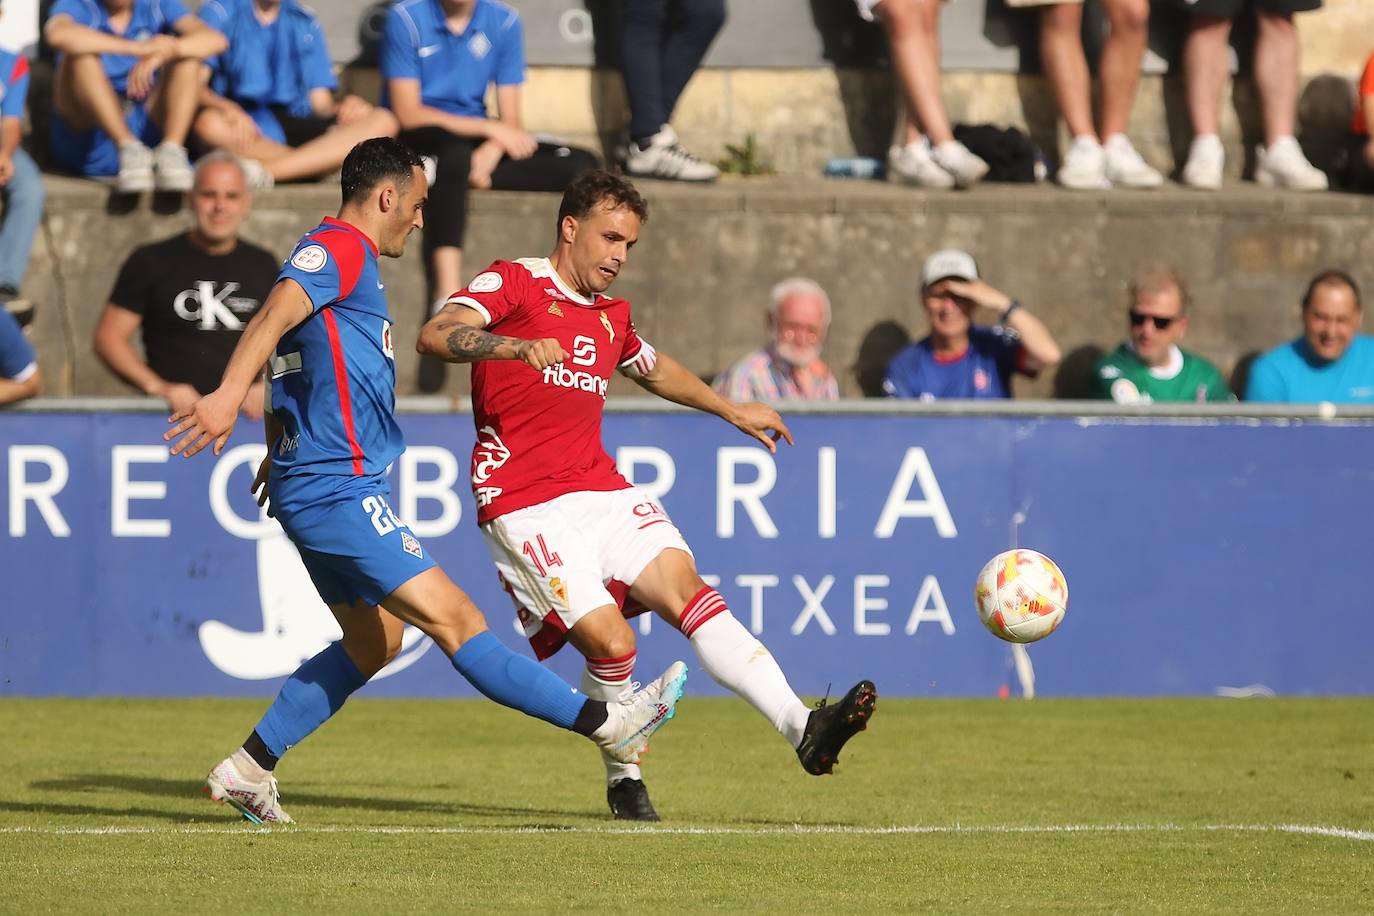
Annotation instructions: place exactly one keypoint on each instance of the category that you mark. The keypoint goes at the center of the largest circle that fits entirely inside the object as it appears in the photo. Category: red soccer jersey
(539, 433)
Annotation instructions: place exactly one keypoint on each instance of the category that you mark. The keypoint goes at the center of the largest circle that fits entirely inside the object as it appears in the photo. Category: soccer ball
(1021, 595)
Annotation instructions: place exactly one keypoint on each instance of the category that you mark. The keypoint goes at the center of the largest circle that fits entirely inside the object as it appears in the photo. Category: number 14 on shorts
(542, 558)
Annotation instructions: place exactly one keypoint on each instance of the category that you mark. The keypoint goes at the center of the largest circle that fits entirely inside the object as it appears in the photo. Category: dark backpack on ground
(1009, 153)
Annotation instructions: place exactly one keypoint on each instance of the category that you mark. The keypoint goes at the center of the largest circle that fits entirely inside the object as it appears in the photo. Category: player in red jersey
(579, 548)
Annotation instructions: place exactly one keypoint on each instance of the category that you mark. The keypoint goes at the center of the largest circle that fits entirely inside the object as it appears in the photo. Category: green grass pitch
(976, 806)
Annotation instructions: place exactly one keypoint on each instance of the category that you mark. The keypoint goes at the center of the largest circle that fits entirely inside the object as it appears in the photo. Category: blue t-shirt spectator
(982, 371)
(149, 18)
(272, 65)
(14, 84)
(1291, 374)
(454, 70)
(17, 362)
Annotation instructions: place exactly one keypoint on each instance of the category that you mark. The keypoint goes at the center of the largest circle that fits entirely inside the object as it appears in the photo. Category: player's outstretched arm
(211, 419)
(455, 334)
(672, 381)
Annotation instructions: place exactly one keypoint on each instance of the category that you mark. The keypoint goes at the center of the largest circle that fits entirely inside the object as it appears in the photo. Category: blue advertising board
(1202, 555)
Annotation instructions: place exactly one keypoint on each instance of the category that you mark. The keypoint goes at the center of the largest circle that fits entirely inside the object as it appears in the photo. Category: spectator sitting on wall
(438, 57)
(191, 295)
(128, 77)
(1330, 362)
(271, 95)
(21, 186)
(662, 44)
(1206, 64)
(19, 375)
(1090, 163)
(1149, 367)
(790, 366)
(1360, 144)
(933, 159)
(960, 359)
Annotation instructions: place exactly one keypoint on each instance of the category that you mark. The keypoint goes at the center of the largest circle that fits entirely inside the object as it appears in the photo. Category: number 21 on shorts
(383, 519)
(542, 554)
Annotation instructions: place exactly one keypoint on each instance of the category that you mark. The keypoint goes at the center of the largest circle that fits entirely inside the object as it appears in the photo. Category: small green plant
(745, 159)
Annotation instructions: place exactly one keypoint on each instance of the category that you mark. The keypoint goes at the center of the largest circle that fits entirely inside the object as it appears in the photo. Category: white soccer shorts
(562, 559)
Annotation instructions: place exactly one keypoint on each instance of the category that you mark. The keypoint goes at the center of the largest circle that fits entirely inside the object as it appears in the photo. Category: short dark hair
(597, 186)
(1332, 277)
(374, 161)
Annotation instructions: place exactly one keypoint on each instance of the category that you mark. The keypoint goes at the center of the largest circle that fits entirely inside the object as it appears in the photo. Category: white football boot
(259, 802)
(632, 721)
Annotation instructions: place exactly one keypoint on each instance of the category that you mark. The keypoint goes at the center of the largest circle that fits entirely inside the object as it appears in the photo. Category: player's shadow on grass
(96, 811)
(181, 789)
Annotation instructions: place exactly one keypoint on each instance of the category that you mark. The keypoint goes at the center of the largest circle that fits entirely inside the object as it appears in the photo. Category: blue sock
(518, 682)
(310, 696)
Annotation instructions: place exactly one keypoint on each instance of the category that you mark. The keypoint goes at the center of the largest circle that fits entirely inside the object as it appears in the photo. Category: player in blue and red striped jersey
(331, 435)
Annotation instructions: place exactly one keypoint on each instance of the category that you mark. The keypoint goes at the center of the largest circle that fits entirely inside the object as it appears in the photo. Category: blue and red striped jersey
(334, 374)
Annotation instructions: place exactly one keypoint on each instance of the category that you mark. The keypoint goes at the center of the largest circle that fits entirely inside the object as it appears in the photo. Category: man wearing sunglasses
(961, 359)
(1149, 367)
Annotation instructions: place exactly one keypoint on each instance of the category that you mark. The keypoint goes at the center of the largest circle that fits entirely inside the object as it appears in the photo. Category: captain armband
(642, 363)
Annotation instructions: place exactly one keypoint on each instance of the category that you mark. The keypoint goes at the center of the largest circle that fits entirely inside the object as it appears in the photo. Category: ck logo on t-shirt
(213, 310)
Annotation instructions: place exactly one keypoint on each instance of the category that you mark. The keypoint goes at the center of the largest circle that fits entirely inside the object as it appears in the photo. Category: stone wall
(699, 278)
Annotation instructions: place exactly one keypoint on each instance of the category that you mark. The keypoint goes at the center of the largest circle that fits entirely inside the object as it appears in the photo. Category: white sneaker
(135, 169)
(1084, 167)
(665, 157)
(913, 164)
(258, 802)
(633, 720)
(1206, 161)
(173, 168)
(1126, 168)
(1283, 165)
(960, 162)
(256, 176)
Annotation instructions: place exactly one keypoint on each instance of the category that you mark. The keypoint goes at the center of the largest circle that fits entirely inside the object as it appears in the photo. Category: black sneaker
(629, 801)
(829, 727)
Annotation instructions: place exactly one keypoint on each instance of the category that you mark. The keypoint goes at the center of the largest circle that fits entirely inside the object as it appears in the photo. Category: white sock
(610, 691)
(735, 659)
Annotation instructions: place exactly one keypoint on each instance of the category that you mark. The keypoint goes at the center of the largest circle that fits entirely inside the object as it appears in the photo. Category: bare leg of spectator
(173, 106)
(1206, 65)
(1120, 64)
(1084, 166)
(1120, 73)
(212, 129)
(85, 99)
(327, 152)
(1061, 54)
(1281, 162)
(913, 36)
(1276, 73)
(913, 39)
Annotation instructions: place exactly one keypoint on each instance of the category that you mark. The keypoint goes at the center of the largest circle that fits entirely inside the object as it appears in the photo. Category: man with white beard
(790, 366)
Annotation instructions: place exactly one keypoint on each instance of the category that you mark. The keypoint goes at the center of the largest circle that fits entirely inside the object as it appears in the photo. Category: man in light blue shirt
(438, 59)
(272, 94)
(1330, 362)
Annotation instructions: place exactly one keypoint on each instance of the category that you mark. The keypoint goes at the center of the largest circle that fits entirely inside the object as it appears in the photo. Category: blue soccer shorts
(354, 547)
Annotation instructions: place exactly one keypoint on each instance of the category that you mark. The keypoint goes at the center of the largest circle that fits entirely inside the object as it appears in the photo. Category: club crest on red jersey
(606, 323)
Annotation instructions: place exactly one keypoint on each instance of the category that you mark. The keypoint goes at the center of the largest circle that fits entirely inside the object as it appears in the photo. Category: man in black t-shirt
(191, 294)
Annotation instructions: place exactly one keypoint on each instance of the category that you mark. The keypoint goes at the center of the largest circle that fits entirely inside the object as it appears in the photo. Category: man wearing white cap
(960, 359)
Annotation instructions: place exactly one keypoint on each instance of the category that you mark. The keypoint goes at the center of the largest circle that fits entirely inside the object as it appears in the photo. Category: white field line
(1343, 833)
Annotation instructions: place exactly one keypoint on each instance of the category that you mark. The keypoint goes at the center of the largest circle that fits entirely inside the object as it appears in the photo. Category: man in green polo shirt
(1149, 367)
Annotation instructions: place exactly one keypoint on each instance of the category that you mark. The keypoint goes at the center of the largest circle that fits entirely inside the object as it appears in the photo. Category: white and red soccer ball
(1021, 595)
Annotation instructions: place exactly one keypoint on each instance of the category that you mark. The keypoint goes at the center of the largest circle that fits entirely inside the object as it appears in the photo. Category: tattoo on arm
(467, 342)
